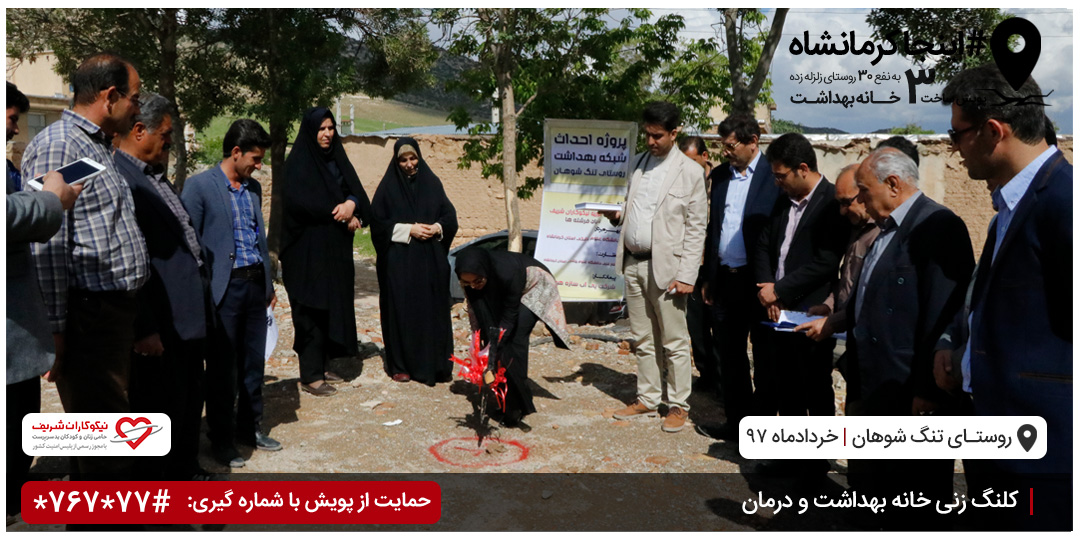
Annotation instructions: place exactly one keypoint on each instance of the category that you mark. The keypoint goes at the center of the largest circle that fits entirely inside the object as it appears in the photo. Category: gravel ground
(376, 425)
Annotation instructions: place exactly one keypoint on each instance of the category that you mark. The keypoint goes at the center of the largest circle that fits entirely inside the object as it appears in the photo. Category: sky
(1054, 71)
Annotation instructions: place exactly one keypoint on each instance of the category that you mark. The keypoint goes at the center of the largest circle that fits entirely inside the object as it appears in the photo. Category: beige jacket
(678, 227)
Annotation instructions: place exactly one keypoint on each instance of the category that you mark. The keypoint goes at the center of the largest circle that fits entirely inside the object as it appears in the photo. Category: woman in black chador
(507, 293)
(414, 224)
(324, 205)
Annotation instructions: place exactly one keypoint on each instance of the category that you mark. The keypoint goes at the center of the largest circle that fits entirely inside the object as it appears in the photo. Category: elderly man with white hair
(912, 282)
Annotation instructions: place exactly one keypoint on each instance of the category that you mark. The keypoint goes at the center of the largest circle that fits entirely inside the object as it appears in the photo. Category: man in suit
(796, 262)
(912, 281)
(660, 243)
(170, 332)
(225, 205)
(698, 319)
(1017, 359)
(863, 234)
(90, 272)
(32, 216)
(743, 195)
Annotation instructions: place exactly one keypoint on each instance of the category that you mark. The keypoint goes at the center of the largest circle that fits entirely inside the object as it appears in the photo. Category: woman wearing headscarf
(507, 292)
(324, 205)
(414, 224)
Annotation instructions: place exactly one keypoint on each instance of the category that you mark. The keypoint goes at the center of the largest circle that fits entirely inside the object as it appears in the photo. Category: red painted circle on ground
(466, 452)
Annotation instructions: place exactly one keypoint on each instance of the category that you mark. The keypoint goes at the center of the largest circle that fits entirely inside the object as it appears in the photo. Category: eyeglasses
(478, 282)
(730, 147)
(847, 202)
(954, 135)
(133, 99)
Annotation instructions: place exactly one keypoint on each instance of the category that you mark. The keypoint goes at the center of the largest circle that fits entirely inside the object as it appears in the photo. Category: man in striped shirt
(90, 271)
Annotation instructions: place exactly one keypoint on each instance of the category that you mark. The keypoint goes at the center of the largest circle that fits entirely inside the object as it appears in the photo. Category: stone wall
(481, 206)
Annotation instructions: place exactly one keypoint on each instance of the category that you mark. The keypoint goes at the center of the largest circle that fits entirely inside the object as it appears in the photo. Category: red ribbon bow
(473, 367)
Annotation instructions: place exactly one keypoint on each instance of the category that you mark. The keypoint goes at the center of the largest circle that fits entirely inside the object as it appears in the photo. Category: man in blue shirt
(1018, 357)
(742, 198)
(225, 206)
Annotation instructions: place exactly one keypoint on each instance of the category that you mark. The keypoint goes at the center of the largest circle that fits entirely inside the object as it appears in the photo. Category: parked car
(598, 313)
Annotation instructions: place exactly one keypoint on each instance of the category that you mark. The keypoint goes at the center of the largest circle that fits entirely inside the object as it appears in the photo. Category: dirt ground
(376, 425)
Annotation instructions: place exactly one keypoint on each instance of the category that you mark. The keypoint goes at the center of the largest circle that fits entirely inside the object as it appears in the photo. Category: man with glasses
(90, 271)
(743, 195)
(863, 233)
(1018, 357)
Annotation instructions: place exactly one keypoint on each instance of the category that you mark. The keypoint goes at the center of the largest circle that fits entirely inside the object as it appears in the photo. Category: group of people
(709, 258)
(157, 300)
(128, 287)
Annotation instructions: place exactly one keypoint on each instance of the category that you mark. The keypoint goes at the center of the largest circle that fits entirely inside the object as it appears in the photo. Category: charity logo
(137, 433)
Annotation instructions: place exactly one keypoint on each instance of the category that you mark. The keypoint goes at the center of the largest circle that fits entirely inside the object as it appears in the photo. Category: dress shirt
(1005, 199)
(795, 214)
(172, 200)
(732, 243)
(99, 247)
(245, 226)
(888, 231)
(646, 200)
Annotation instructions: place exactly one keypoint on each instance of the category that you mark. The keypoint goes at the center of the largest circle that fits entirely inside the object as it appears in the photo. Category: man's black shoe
(723, 432)
(264, 442)
(229, 456)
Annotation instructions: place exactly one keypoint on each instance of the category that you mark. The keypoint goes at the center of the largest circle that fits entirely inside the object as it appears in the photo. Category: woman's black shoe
(513, 420)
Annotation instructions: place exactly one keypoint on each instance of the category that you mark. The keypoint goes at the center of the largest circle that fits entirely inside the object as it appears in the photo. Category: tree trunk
(279, 132)
(744, 93)
(167, 87)
(508, 121)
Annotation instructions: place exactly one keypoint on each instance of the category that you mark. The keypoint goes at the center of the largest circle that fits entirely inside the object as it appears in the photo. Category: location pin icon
(1027, 435)
(1016, 66)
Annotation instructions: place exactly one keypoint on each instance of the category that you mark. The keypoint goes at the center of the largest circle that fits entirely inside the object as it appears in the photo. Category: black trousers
(736, 314)
(706, 355)
(172, 383)
(23, 398)
(795, 379)
(514, 356)
(313, 344)
(95, 369)
(236, 363)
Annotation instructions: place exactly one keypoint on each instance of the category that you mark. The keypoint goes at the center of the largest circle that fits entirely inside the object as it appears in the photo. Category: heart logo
(134, 424)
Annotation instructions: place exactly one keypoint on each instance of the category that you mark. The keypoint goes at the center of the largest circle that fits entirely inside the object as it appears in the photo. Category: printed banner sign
(585, 161)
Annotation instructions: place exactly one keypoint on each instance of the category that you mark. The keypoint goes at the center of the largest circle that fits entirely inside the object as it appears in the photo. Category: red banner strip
(269, 502)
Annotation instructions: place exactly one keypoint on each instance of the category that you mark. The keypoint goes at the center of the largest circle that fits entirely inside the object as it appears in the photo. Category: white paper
(790, 319)
(598, 207)
(796, 317)
(271, 332)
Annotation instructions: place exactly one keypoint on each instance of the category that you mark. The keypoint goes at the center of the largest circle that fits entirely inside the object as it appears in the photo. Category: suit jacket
(32, 216)
(206, 198)
(760, 201)
(916, 286)
(1021, 353)
(173, 299)
(813, 258)
(678, 226)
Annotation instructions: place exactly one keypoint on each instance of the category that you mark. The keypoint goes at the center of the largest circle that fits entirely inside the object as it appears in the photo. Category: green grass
(362, 242)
